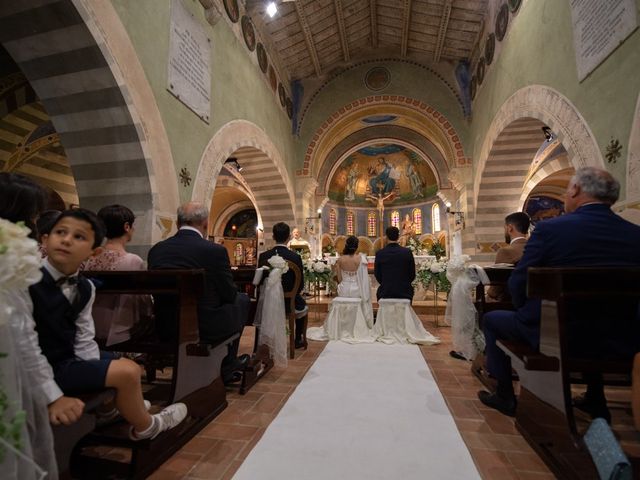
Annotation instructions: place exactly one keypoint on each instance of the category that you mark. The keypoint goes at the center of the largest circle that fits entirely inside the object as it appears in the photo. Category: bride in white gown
(344, 322)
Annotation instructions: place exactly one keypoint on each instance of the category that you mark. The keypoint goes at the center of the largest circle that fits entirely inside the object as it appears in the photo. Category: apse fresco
(383, 170)
(542, 207)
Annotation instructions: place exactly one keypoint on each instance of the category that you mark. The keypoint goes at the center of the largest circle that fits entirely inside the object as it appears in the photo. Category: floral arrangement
(19, 268)
(19, 256)
(317, 271)
(278, 262)
(415, 246)
(433, 272)
(437, 250)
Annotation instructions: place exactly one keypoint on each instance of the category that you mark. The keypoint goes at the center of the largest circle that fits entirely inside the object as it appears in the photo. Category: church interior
(340, 118)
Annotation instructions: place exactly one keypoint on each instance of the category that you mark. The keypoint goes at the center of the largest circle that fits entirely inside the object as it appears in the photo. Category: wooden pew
(545, 414)
(195, 380)
(260, 362)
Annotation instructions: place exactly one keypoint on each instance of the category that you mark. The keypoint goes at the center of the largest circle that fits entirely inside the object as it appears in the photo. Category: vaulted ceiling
(315, 37)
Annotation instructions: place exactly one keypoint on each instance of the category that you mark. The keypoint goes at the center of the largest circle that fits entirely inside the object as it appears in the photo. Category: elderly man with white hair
(590, 234)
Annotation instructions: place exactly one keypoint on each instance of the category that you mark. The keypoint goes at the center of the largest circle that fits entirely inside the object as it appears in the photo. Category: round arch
(500, 185)
(263, 171)
(96, 103)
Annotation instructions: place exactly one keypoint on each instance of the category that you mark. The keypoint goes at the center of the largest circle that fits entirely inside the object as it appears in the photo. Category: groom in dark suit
(590, 234)
(395, 268)
(222, 311)
(281, 233)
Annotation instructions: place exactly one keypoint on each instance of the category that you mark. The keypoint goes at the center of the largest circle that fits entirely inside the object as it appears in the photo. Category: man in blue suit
(590, 234)
(395, 268)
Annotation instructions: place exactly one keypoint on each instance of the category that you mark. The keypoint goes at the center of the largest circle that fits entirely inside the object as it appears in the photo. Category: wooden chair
(545, 414)
(290, 300)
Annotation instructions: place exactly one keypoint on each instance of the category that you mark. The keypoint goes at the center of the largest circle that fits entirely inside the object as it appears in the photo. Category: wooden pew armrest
(530, 358)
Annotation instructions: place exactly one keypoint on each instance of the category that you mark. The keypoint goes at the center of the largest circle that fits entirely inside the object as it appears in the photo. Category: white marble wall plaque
(189, 78)
(599, 26)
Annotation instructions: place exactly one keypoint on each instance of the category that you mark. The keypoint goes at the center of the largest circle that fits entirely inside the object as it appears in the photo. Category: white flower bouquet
(19, 257)
(278, 262)
(317, 271)
(433, 272)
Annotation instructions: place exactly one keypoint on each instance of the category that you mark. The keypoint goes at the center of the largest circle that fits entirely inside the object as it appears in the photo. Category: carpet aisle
(363, 412)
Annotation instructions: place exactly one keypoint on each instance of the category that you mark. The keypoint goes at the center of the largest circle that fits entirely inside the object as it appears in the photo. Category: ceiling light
(272, 9)
(233, 161)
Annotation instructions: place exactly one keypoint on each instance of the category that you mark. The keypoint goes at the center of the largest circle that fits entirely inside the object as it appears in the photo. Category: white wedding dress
(349, 320)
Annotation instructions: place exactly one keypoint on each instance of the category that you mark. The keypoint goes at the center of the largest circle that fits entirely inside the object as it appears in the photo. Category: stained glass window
(435, 218)
(372, 221)
(332, 222)
(417, 221)
(395, 219)
(350, 224)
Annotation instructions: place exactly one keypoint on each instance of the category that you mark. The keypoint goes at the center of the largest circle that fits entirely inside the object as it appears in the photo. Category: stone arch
(380, 134)
(507, 152)
(80, 62)
(263, 171)
(433, 125)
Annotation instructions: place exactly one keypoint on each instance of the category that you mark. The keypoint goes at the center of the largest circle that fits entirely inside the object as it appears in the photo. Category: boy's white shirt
(26, 337)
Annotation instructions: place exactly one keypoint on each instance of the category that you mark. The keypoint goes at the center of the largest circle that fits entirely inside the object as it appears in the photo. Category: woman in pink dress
(116, 315)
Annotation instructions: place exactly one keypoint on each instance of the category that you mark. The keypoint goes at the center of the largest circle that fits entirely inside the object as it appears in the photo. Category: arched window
(350, 223)
(435, 218)
(238, 253)
(332, 222)
(417, 221)
(395, 219)
(372, 224)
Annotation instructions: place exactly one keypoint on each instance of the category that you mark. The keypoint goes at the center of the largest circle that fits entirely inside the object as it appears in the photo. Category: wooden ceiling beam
(442, 29)
(308, 38)
(374, 23)
(406, 22)
(343, 31)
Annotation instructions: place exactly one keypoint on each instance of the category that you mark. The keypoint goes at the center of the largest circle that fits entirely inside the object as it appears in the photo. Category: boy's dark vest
(56, 318)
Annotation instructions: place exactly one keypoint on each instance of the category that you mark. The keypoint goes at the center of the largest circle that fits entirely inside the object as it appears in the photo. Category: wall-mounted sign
(598, 28)
(189, 76)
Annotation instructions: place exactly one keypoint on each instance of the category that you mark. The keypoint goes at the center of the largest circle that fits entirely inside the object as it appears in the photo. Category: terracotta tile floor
(495, 445)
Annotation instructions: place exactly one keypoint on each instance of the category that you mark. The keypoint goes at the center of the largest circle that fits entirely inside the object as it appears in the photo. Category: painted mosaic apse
(383, 169)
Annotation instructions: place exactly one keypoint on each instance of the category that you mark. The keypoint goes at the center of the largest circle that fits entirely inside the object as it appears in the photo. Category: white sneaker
(170, 417)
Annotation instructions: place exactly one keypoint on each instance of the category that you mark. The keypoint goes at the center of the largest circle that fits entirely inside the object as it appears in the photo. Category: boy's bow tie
(70, 280)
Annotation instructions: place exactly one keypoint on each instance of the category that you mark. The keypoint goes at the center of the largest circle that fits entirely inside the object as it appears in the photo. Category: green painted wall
(406, 79)
(238, 89)
(538, 49)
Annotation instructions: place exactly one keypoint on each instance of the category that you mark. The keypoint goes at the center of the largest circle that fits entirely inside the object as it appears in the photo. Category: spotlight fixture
(548, 134)
(233, 161)
(272, 9)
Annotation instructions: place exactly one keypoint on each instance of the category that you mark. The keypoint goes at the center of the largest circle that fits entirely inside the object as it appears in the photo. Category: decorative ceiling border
(453, 90)
(423, 108)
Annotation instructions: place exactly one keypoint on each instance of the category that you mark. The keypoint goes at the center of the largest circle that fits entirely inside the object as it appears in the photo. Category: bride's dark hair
(350, 246)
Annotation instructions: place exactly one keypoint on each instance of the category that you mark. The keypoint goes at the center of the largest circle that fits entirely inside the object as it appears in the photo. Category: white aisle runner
(367, 411)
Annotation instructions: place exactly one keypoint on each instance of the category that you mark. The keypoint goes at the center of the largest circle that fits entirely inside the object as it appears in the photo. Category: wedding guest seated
(280, 236)
(590, 234)
(222, 311)
(44, 223)
(22, 200)
(115, 316)
(516, 228)
(62, 303)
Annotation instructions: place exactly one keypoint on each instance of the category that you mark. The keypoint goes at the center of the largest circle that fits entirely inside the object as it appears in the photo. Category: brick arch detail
(430, 113)
(244, 136)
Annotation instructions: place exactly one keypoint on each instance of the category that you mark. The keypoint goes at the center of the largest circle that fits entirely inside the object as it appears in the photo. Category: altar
(419, 259)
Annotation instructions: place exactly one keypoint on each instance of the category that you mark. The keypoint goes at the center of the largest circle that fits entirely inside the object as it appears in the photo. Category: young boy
(62, 304)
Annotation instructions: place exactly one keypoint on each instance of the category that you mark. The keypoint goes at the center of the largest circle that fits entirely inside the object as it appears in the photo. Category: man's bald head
(194, 214)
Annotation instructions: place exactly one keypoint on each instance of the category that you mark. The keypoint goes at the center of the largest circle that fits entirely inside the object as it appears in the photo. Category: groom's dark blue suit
(394, 270)
(592, 235)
